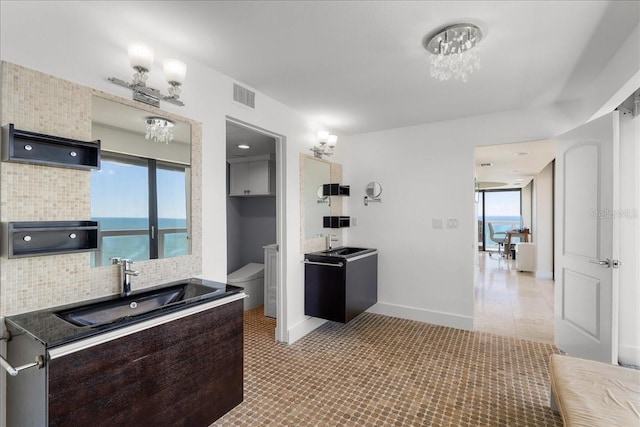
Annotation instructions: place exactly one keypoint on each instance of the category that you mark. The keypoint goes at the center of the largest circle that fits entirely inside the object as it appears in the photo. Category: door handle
(306, 261)
(604, 263)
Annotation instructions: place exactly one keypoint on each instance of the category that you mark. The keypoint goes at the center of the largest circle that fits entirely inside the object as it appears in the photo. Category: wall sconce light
(141, 60)
(327, 144)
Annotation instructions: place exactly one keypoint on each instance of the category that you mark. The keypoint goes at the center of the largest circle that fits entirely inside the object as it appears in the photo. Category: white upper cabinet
(251, 177)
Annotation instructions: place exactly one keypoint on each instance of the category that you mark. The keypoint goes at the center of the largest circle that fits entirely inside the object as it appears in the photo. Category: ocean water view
(128, 238)
(500, 224)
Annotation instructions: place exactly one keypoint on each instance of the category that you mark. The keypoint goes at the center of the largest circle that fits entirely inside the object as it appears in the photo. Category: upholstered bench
(589, 393)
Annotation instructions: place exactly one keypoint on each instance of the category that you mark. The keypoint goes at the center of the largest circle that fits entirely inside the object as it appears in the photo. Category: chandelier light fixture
(327, 144)
(141, 60)
(454, 52)
(159, 130)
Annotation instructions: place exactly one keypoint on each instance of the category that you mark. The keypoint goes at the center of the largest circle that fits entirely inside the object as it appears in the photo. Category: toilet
(251, 278)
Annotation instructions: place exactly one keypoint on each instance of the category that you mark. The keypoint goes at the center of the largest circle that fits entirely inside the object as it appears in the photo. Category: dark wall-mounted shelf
(30, 147)
(336, 221)
(36, 238)
(335, 190)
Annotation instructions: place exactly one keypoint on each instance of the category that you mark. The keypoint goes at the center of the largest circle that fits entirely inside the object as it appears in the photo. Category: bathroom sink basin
(344, 251)
(132, 305)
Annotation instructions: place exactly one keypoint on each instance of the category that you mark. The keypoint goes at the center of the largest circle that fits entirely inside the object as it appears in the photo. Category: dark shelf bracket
(36, 148)
(37, 238)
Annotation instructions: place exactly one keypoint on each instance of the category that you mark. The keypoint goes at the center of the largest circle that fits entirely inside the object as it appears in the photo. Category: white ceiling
(510, 166)
(360, 66)
(260, 144)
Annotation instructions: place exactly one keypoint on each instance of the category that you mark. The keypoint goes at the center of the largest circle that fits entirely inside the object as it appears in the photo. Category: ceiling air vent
(485, 165)
(244, 96)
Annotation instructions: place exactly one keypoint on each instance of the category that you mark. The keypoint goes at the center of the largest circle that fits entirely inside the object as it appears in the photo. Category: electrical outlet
(452, 223)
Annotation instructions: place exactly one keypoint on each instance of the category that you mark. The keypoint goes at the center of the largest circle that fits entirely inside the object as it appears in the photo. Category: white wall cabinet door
(259, 177)
(238, 179)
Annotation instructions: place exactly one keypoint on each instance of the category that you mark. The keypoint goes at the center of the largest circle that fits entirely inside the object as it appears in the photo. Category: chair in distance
(499, 237)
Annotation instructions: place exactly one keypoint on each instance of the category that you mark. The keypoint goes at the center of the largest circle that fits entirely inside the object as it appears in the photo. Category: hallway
(512, 303)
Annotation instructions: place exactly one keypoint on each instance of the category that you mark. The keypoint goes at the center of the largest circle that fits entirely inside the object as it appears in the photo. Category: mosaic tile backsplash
(37, 102)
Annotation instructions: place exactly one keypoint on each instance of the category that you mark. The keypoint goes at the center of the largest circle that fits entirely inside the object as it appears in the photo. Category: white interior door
(586, 297)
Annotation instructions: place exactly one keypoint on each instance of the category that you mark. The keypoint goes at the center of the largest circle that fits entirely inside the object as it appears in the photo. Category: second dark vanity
(340, 283)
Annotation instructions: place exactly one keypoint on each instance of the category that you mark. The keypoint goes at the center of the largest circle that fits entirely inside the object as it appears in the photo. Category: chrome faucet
(125, 274)
(330, 238)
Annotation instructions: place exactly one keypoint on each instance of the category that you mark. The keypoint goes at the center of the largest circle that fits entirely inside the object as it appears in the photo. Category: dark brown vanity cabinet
(186, 372)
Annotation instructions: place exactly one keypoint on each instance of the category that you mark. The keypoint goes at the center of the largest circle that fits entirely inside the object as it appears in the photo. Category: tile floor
(512, 303)
(384, 371)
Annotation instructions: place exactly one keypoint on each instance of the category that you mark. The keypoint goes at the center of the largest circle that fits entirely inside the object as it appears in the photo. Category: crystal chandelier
(454, 52)
(159, 130)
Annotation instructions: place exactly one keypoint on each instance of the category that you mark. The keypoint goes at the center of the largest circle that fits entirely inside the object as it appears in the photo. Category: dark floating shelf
(335, 190)
(336, 221)
(30, 147)
(37, 238)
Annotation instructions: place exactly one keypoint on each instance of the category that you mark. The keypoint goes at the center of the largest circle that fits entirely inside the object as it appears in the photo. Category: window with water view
(141, 205)
(503, 209)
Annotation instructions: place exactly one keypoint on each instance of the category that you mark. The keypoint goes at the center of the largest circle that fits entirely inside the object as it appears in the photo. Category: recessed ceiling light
(243, 146)
(515, 171)
(520, 179)
(520, 153)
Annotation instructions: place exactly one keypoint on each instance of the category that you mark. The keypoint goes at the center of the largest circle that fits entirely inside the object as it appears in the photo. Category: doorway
(256, 219)
(514, 192)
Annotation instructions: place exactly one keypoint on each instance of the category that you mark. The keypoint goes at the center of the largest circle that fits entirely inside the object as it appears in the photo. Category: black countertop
(49, 329)
(343, 253)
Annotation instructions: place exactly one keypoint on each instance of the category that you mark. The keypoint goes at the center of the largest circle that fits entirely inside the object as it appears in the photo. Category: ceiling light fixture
(243, 146)
(159, 130)
(327, 144)
(141, 60)
(454, 51)
(521, 153)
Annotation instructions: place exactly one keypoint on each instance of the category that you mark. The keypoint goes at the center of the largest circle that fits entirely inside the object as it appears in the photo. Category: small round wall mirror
(321, 198)
(374, 190)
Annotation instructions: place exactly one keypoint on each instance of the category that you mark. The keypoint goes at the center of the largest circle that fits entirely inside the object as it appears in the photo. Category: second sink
(344, 251)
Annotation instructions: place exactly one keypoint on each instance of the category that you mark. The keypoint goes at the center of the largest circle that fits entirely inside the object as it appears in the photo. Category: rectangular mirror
(316, 206)
(141, 194)
(315, 173)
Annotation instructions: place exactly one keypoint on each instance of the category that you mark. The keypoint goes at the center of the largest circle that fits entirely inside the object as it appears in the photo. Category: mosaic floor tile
(384, 371)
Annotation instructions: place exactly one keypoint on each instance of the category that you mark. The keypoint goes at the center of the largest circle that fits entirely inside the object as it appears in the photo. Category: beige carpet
(383, 371)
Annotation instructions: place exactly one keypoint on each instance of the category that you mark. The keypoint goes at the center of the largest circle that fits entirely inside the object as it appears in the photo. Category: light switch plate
(436, 223)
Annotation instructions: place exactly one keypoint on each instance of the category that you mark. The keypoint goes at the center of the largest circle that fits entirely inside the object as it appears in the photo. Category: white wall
(427, 173)
(121, 141)
(543, 222)
(629, 275)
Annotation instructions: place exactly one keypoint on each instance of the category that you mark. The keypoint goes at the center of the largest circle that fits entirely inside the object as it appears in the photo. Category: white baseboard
(628, 355)
(301, 329)
(421, 315)
(544, 274)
